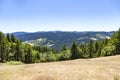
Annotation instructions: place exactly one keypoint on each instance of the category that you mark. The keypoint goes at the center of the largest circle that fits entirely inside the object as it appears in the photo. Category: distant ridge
(19, 33)
(56, 39)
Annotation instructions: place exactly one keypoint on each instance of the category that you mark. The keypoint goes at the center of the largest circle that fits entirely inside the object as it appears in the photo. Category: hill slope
(56, 39)
(106, 68)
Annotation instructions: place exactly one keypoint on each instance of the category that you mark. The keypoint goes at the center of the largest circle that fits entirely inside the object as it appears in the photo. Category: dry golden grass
(106, 68)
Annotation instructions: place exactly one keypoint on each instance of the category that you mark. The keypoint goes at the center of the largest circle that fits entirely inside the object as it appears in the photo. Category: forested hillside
(56, 39)
(12, 49)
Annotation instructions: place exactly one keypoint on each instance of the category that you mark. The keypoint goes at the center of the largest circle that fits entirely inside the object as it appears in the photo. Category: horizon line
(55, 31)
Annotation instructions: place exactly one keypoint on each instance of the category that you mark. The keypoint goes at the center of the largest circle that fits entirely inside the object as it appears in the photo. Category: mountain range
(56, 39)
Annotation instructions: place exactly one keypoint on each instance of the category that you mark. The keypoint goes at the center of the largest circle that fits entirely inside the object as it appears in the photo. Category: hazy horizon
(54, 31)
(63, 15)
(60, 31)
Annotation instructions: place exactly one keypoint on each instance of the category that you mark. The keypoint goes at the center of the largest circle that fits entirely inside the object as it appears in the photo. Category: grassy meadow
(104, 68)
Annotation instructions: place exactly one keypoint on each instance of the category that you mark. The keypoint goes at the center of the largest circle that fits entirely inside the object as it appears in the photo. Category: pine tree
(96, 47)
(99, 49)
(117, 44)
(90, 48)
(37, 56)
(117, 47)
(116, 41)
(28, 55)
(3, 47)
(84, 48)
(8, 37)
(64, 48)
(18, 52)
(74, 51)
(12, 51)
(118, 35)
(13, 39)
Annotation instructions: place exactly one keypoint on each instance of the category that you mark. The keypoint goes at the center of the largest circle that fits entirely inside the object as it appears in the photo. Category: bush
(66, 55)
(14, 63)
(108, 51)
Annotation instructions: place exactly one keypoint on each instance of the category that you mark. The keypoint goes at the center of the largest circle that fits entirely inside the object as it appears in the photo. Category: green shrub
(108, 51)
(65, 55)
(14, 63)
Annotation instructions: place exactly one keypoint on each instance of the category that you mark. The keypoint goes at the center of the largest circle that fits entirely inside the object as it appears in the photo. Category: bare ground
(106, 68)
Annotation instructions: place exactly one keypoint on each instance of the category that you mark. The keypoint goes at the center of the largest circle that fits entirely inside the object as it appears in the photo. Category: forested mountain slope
(56, 39)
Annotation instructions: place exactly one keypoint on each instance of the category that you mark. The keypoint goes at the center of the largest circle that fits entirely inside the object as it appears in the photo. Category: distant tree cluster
(12, 49)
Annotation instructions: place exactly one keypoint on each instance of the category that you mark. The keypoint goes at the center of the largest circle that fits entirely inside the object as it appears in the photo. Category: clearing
(105, 68)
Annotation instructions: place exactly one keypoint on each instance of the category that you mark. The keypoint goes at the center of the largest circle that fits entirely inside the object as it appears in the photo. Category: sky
(63, 15)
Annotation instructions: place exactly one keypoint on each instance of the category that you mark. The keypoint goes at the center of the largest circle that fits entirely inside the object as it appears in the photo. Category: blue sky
(64, 15)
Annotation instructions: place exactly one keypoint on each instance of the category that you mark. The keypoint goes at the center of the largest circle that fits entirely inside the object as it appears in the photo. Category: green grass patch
(14, 63)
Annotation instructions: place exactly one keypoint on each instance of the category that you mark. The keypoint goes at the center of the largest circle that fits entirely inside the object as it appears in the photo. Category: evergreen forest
(12, 49)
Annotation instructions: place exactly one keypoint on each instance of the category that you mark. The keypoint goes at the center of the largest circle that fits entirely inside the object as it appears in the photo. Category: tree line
(12, 49)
